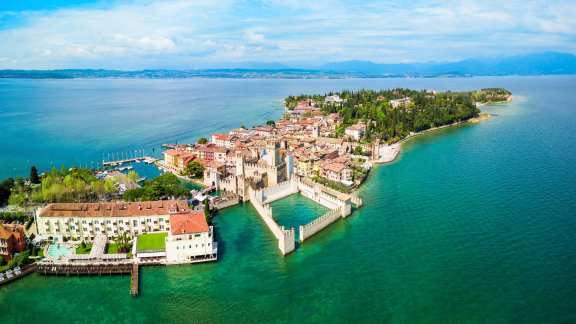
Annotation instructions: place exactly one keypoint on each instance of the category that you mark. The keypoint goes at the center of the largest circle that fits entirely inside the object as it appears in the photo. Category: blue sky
(46, 34)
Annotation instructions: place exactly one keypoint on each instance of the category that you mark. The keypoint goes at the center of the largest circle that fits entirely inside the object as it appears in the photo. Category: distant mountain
(548, 63)
(531, 64)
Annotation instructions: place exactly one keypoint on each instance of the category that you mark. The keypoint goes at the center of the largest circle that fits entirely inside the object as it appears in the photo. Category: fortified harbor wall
(339, 205)
(319, 223)
(286, 238)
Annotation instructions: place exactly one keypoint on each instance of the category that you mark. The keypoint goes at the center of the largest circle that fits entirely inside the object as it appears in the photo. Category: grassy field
(86, 250)
(151, 242)
(112, 248)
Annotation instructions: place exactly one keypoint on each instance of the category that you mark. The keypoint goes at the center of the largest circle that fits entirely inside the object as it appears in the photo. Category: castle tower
(316, 130)
(289, 166)
(239, 164)
(273, 154)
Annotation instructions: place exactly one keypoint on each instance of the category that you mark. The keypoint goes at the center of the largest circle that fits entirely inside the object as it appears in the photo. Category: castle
(243, 168)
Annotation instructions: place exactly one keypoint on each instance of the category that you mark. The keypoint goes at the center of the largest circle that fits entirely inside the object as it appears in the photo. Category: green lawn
(86, 250)
(151, 242)
(112, 248)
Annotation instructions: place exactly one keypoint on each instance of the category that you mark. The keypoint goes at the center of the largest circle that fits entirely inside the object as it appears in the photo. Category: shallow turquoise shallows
(473, 224)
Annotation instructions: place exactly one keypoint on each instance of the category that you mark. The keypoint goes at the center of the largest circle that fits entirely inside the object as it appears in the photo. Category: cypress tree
(34, 178)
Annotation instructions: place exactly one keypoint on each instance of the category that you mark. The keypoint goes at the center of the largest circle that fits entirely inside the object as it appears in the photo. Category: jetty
(145, 159)
(135, 280)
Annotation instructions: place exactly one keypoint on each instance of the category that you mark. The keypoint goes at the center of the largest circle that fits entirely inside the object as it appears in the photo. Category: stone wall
(286, 238)
(324, 197)
(319, 224)
(279, 191)
(339, 205)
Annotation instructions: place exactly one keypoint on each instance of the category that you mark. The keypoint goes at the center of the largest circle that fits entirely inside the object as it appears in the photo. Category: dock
(94, 268)
(145, 159)
(135, 280)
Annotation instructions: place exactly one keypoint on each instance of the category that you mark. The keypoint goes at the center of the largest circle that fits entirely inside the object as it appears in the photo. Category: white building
(400, 102)
(83, 221)
(356, 131)
(190, 239)
(333, 99)
(222, 140)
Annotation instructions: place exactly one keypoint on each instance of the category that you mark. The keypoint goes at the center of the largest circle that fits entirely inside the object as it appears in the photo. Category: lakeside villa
(182, 235)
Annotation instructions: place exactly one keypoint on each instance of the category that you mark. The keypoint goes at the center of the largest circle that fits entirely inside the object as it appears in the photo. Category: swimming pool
(57, 250)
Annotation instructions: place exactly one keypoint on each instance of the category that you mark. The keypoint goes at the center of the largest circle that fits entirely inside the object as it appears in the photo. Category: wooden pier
(68, 269)
(101, 268)
(135, 280)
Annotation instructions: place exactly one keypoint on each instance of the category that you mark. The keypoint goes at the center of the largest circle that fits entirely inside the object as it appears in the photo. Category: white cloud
(254, 37)
(180, 33)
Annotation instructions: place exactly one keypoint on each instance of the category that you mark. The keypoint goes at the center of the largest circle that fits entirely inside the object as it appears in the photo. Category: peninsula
(105, 221)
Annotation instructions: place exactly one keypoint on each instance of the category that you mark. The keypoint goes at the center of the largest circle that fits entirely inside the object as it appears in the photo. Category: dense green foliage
(122, 244)
(17, 261)
(5, 190)
(34, 178)
(63, 185)
(194, 170)
(424, 110)
(83, 248)
(17, 217)
(336, 185)
(202, 140)
(489, 95)
(162, 187)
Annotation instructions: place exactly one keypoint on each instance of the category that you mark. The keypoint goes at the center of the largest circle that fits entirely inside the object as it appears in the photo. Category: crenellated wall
(319, 224)
(325, 197)
(339, 205)
(286, 238)
(281, 190)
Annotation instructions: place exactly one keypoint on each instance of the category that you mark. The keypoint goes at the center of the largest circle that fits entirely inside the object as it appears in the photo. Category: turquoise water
(296, 210)
(473, 224)
(58, 250)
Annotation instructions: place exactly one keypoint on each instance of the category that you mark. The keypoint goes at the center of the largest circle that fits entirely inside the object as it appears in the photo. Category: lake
(471, 224)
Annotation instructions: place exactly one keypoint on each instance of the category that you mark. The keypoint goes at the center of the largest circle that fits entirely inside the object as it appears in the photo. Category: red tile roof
(114, 209)
(188, 223)
(222, 137)
(6, 231)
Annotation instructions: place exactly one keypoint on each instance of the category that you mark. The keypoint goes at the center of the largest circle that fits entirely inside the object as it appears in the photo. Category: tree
(207, 213)
(358, 150)
(271, 123)
(123, 242)
(5, 190)
(194, 170)
(202, 140)
(34, 178)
